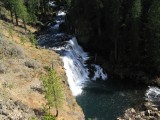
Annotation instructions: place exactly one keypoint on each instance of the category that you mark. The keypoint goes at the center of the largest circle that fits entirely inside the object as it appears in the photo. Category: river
(99, 97)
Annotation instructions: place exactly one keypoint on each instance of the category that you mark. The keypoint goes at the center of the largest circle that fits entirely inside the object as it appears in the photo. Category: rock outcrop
(147, 111)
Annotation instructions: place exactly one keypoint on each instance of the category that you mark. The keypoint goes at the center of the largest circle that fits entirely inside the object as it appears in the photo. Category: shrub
(32, 64)
(33, 39)
(22, 39)
(48, 117)
(9, 49)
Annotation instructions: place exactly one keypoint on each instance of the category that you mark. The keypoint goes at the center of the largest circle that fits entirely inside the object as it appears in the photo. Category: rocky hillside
(21, 66)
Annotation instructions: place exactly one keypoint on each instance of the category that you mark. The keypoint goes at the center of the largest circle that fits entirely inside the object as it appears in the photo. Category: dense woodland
(124, 34)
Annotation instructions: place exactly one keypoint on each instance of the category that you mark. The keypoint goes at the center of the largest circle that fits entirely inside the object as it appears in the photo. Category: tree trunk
(95, 59)
(56, 115)
(54, 93)
(49, 110)
(44, 7)
(11, 15)
(116, 48)
(25, 27)
(99, 24)
(0, 11)
(16, 18)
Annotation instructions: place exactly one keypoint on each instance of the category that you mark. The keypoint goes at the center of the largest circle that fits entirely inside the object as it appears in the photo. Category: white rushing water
(74, 59)
(99, 73)
(74, 64)
(61, 13)
(76, 69)
(153, 95)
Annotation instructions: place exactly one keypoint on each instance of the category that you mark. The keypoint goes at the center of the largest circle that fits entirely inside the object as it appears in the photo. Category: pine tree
(53, 90)
(8, 4)
(32, 8)
(18, 8)
(153, 42)
(20, 11)
(134, 35)
(114, 20)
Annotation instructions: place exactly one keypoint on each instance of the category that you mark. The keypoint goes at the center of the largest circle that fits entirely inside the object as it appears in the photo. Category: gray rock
(10, 110)
(32, 64)
(142, 113)
(133, 110)
(3, 117)
(9, 49)
(3, 68)
(147, 112)
(157, 114)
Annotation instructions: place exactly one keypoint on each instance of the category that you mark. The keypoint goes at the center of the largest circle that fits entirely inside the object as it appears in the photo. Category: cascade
(72, 55)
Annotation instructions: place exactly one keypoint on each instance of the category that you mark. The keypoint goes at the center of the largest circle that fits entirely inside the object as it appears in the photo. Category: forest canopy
(126, 33)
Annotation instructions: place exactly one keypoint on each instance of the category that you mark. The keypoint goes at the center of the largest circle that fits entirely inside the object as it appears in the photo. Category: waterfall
(73, 57)
(74, 64)
(153, 95)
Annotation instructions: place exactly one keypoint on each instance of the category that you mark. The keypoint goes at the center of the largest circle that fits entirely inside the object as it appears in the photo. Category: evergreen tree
(32, 8)
(20, 11)
(134, 36)
(53, 90)
(114, 25)
(153, 41)
(8, 4)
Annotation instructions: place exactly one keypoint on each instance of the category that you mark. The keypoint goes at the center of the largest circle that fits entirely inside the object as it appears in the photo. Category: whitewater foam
(153, 95)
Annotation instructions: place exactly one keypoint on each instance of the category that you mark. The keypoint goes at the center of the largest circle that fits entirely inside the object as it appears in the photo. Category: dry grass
(19, 78)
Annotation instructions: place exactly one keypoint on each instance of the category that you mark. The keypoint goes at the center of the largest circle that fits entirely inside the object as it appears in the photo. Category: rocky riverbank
(146, 111)
(149, 110)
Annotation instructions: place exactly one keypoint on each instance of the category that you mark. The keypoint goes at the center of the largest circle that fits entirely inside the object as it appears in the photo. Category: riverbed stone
(133, 110)
(147, 112)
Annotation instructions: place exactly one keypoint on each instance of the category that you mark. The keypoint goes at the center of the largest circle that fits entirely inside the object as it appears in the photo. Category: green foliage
(68, 2)
(33, 118)
(10, 30)
(33, 39)
(27, 10)
(22, 39)
(48, 117)
(52, 89)
(8, 4)
(136, 9)
(154, 15)
(125, 32)
(153, 41)
(33, 9)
